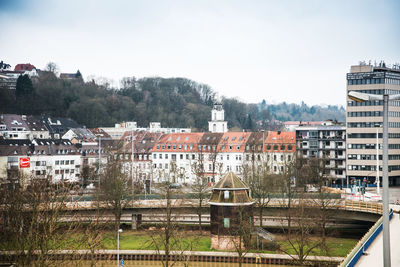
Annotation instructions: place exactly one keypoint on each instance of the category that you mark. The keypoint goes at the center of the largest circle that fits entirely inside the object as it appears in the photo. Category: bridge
(348, 214)
(369, 250)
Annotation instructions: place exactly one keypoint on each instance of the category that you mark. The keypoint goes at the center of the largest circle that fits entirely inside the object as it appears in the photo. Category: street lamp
(119, 231)
(361, 97)
(377, 126)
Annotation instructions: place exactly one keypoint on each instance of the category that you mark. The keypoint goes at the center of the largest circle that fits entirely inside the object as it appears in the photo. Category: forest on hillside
(175, 102)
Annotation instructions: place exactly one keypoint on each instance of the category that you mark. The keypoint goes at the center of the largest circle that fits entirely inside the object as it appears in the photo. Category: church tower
(217, 123)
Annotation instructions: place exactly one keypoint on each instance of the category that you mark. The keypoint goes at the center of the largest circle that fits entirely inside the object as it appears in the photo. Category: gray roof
(13, 120)
(83, 133)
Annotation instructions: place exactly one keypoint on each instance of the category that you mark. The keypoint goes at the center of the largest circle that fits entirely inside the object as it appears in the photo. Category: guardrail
(356, 253)
(370, 207)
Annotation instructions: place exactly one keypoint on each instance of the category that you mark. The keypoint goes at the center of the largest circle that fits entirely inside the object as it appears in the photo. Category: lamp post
(119, 231)
(361, 97)
(377, 160)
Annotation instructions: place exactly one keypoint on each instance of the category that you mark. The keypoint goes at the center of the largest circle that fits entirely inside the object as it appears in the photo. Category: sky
(279, 51)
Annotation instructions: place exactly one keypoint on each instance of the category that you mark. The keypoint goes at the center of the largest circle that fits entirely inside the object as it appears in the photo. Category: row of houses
(35, 147)
(62, 149)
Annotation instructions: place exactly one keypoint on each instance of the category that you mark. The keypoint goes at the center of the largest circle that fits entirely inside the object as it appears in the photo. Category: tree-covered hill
(175, 102)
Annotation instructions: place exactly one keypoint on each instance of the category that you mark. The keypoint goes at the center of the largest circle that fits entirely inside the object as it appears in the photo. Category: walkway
(374, 257)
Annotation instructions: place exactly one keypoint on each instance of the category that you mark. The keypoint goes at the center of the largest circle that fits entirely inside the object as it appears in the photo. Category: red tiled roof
(24, 67)
(234, 141)
(280, 139)
(178, 142)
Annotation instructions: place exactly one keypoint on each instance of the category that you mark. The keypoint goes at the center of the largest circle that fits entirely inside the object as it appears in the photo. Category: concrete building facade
(326, 142)
(364, 121)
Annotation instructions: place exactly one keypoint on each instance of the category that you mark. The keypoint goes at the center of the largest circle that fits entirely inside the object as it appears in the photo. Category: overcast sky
(289, 51)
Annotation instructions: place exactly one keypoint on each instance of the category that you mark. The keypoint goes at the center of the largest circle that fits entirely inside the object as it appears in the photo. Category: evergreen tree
(24, 86)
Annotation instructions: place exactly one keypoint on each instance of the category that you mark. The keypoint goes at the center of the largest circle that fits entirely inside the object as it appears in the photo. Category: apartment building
(174, 154)
(364, 121)
(327, 142)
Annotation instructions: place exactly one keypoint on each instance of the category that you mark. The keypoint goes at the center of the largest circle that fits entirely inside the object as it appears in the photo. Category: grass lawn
(141, 240)
(338, 247)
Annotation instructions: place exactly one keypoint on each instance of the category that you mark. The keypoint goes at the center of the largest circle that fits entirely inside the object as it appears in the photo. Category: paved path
(375, 251)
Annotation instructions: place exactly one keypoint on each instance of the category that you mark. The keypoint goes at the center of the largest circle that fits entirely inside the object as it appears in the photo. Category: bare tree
(31, 225)
(167, 240)
(114, 189)
(52, 67)
(94, 227)
(240, 232)
(324, 203)
(299, 220)
(199, 187)
(257, 173)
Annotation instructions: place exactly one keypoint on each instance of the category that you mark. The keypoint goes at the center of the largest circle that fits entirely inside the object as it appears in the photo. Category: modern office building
(364, 120)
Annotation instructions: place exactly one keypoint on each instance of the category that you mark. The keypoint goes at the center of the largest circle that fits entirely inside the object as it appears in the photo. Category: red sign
(24, 162)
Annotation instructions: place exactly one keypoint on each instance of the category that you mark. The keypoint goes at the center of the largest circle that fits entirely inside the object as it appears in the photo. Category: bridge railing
(356, 253)
(371, 207)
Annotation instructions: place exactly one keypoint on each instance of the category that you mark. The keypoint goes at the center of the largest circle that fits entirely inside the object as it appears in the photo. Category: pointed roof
(231, 191)
(231, 181)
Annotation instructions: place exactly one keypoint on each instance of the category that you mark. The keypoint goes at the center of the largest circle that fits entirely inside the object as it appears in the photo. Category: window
(160, 156)
(166, 165)
(166, 156)
(281, 157)
(154, 156)
(226, 194)
(275, 147)
(227, 157)
(181, 156)
(226, 223)
(275, 157)
(187, 156)
(72, 162)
